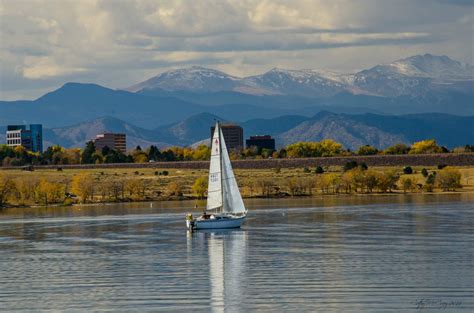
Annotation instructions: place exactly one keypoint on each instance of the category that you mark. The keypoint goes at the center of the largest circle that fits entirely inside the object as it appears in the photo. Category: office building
(117, 142)
(29, 138)
(233, 136)
(261, 142)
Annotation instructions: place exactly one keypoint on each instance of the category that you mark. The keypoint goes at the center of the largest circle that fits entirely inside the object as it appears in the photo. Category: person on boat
(204, 215)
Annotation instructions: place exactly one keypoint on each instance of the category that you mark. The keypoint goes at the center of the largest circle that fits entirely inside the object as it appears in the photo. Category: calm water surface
(360, 254)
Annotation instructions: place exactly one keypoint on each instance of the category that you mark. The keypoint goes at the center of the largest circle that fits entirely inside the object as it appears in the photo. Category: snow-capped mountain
(431, 66)
(298, 82)
(195, 79)
(413, 76)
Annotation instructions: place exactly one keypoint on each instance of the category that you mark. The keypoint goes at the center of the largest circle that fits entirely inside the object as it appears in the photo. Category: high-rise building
(114, 141)
(261, 142)
(233, 136)
(31, 139)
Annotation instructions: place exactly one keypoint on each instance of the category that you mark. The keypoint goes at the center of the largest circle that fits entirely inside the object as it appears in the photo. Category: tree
(154, 153)
(424, 172)
(407, 170)
(408, 184)
(135, 187)
(388, 180)
(200, 187)
(324, 148)
(25, 190)
(449, 179)
(349, 166)
(425, 146)
(87, 156)
(367, 150)
(370, 179)
(319, 170)
(7, 186)
(49, 192)
(399, 148)
(175, 189)
(83, 186)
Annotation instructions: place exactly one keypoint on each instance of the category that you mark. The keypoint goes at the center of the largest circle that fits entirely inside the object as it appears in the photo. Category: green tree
(367, 150)
(349, 166)
(424, 172)
(87, 156)
(399, 148)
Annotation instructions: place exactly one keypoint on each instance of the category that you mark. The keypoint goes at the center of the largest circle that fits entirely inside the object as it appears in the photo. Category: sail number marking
(214, 177)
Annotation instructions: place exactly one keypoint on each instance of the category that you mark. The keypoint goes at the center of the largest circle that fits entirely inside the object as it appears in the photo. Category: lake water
(354, 254)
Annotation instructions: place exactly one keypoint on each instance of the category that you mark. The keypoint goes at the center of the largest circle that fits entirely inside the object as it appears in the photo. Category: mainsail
(223, 191)
(214, 190)
(233, 202)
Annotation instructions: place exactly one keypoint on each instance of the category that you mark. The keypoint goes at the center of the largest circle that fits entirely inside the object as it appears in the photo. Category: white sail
(233, 202)
(214, 190)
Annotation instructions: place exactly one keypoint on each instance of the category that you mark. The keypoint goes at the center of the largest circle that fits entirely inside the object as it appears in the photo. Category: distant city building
(261, 142)
(31, 139)
(114, 141)
(233, 136)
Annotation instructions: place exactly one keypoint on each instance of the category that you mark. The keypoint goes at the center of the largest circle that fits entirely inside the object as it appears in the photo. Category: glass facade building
(31, 139)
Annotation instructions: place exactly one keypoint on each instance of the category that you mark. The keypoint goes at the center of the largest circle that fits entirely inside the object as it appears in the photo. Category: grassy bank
(47, 186)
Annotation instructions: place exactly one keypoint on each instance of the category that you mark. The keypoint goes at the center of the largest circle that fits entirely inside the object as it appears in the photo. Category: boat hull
(229, 222)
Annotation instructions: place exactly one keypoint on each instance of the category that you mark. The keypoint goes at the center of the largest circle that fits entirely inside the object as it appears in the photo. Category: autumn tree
(175, 189)
(49, 192)
(135, 187)
(83, 186)
(425, 146)
(200, 187)
(449, 179)
(7, 186)
(408, 184)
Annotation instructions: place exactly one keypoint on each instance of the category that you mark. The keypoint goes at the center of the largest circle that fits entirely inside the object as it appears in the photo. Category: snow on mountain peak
(413, 75)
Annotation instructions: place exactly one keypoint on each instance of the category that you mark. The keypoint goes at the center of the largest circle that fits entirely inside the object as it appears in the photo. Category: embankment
(450, 159)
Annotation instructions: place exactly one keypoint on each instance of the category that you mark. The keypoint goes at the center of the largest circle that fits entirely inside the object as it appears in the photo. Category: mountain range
(352, 130)
(403, 101)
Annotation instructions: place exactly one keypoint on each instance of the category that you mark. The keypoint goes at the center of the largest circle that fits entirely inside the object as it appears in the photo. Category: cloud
(117, 43)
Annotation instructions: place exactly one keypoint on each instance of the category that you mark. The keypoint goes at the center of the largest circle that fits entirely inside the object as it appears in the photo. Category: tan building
(233, 136)
(114, 141)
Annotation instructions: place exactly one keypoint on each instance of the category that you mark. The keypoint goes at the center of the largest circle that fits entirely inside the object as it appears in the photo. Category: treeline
(100, 187)
(356, 179)
(56, 155)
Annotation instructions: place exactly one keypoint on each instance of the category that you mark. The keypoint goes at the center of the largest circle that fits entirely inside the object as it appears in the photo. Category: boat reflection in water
(227, 251)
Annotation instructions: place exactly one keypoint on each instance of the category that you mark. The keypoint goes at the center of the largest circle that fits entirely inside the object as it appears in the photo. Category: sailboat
(225, 207)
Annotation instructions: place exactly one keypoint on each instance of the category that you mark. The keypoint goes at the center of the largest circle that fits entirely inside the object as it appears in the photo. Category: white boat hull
(228, 222)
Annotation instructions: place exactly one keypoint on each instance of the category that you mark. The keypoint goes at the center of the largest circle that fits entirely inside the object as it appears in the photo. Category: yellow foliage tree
(7, 186)
(425, 146)
(200, 187)
(83, 186)
(135, 187)
(449, 179)
(49, 192)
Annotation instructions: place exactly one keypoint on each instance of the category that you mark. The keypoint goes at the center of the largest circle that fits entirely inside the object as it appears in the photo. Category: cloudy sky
(44, 44)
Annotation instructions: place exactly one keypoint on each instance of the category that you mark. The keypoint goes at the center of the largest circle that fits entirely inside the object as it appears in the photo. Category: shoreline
(298, 197)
